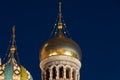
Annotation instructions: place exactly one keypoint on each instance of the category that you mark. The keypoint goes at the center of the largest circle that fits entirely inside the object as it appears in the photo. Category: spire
(13, 48)
(60, 11)
(60, 16)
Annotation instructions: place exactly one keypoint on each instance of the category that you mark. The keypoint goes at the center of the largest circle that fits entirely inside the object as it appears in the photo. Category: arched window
(61, 72)
(54, 72)
(47, 74)
(73, 74)
(67, 73)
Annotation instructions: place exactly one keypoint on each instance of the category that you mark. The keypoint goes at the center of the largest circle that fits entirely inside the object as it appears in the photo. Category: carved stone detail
(66, 62)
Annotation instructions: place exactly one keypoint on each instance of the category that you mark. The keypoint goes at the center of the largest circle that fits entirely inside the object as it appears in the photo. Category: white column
(44, 75)
(71, 77)
(51, 74)
(57, 70)
(64, 76)
(78, 76)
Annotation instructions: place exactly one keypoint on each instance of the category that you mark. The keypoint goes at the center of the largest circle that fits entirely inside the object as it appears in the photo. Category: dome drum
(60, 67)
(60, 59)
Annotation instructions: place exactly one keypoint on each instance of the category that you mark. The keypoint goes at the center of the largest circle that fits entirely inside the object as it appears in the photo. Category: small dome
(12, 71)
(60, 46)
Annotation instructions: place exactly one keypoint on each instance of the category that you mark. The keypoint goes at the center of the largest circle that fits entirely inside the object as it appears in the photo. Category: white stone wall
(60, 68)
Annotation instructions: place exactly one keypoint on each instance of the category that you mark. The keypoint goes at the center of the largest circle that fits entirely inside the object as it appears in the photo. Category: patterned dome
(13, 71)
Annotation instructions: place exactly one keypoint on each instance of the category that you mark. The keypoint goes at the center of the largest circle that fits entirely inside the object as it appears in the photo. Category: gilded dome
(60, 45)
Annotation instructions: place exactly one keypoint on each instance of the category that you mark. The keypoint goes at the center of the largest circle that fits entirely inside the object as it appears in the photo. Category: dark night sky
(93, 24)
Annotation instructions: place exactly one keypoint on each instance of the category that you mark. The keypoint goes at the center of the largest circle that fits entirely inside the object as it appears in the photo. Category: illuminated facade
(60, 57)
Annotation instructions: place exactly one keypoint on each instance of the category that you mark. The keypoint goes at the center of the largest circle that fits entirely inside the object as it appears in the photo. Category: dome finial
(13, 48)
(60, 11)
(60, 16)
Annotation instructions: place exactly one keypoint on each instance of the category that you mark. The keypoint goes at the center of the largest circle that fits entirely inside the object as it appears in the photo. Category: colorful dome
(13, 71)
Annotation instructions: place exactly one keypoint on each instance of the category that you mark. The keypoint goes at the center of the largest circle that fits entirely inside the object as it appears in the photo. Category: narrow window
(47, 74)
(61, 72)
(54, 73)
(67, 73)
(73, 74)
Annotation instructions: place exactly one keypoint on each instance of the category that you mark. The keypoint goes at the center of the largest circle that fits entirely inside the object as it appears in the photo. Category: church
(60, 57)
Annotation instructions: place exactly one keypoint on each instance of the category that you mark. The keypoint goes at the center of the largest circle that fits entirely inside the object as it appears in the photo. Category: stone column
(51, 73)
(78, 76)
(64, 76)
(44, 75)
(71, 76)
(57, 70)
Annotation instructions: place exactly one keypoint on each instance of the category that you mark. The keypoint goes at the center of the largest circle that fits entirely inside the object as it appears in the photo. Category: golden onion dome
(60, 45)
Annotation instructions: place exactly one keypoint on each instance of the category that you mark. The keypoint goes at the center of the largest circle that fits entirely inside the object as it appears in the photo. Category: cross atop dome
(13, 47)
(60, 16)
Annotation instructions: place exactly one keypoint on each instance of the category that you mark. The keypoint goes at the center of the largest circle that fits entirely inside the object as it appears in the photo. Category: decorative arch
(61, 72)
(68, 72)
(54, 72)
(47, 74)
